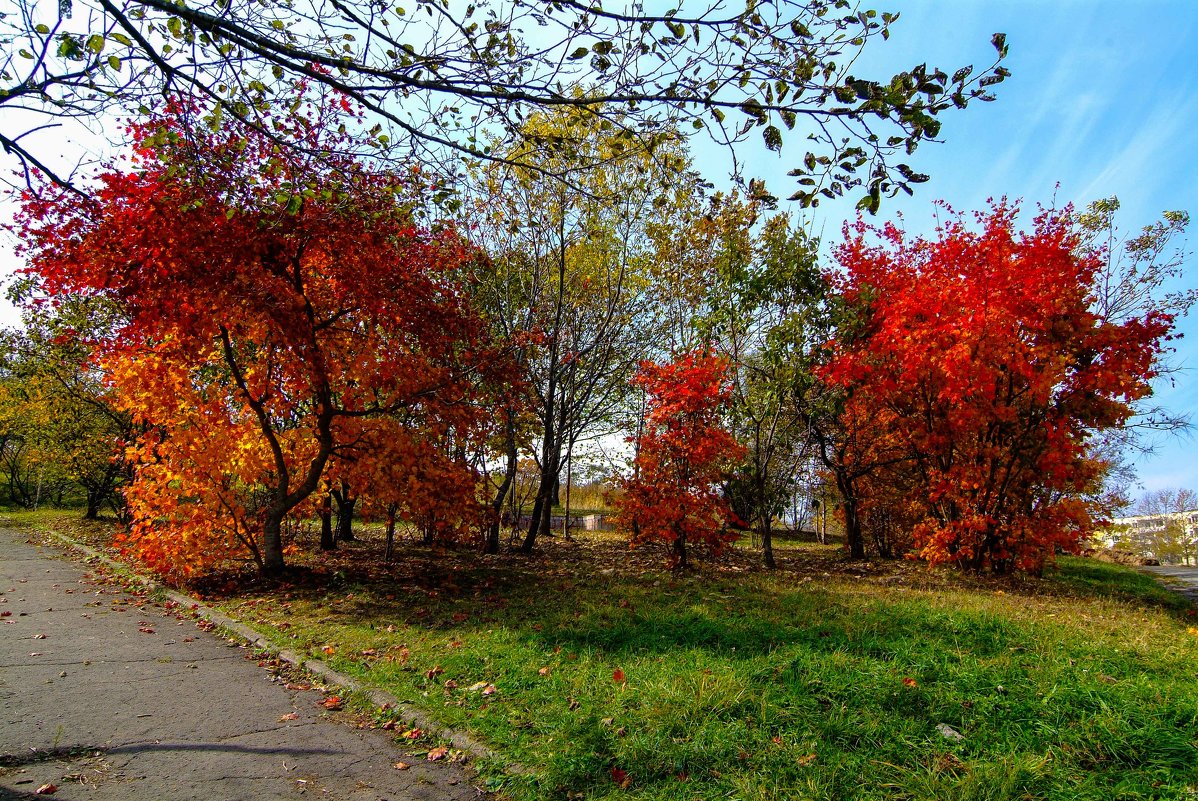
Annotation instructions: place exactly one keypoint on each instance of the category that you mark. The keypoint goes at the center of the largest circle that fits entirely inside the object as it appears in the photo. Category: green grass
(824, 680)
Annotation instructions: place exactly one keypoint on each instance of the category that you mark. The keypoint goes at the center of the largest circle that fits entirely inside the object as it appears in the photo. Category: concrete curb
(457, 739)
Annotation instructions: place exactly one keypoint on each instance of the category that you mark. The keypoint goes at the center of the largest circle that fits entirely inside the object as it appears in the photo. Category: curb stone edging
(458, 739)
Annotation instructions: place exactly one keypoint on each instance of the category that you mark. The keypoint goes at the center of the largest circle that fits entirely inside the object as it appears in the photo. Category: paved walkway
(107, 700)
(1180, 577)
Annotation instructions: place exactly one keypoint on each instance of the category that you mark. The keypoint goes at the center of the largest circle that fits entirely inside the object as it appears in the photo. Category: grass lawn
(824, 680)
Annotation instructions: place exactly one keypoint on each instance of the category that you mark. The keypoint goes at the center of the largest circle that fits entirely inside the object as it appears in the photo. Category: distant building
(597, 523)
(1171, 537)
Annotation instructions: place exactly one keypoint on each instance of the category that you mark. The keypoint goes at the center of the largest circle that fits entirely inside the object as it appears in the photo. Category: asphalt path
(106, 699)
(1182, 578)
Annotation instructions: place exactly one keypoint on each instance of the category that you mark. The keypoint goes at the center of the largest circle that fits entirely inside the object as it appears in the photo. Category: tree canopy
(437, 78)
(975, 380)
(275, 314)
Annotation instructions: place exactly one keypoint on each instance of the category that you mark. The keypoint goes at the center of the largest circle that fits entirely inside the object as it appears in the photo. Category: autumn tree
(977, 379)
(273, 306)
(683, 456)
(407, 468)
(570, 280)
(435, 77)
(765, 311)
(54, 400)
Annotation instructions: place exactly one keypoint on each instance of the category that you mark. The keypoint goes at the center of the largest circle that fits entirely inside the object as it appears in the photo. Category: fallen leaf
(440, 752)
(450, 684)
(489, 689)
(289, 716)
(39, 636)
(414, 734)
(300, 687)
(333, 702)
(478, 685)
(389, 726)
(543, 671)
(146, 630)
(620, 777)
(434, 673)
(329, 650)
(401, 766)
(37, 653)
(618, 676)
(46, 789)
(910, 682)
(806, 760)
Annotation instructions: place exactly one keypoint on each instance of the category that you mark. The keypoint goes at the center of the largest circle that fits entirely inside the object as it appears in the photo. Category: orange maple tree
(278, 313)
(974, 381)
(683, 456)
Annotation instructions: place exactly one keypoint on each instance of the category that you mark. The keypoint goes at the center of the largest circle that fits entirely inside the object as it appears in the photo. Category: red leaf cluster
(974, 380)
(682, 457)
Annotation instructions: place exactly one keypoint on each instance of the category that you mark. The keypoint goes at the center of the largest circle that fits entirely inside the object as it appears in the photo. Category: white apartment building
(1171, 537)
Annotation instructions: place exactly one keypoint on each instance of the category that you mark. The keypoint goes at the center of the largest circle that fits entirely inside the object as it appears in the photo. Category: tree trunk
(764, 523)
(345, 513)
(272, 544)
(534, 526)
(491, 543)
(95, 499)
(679, 551)
(852, 523)
(542, 510)
(765, 531)
(390, 533)
(550, 445)
(327, 541)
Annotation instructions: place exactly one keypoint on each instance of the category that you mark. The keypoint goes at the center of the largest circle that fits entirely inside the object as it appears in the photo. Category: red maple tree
(683, 456)
(278, 310)
(974, 382)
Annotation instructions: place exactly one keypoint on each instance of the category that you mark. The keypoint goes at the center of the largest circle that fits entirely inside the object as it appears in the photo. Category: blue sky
(1102, 100)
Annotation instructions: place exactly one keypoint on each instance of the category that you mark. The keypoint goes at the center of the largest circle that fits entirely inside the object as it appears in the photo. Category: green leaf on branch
(772, 137)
